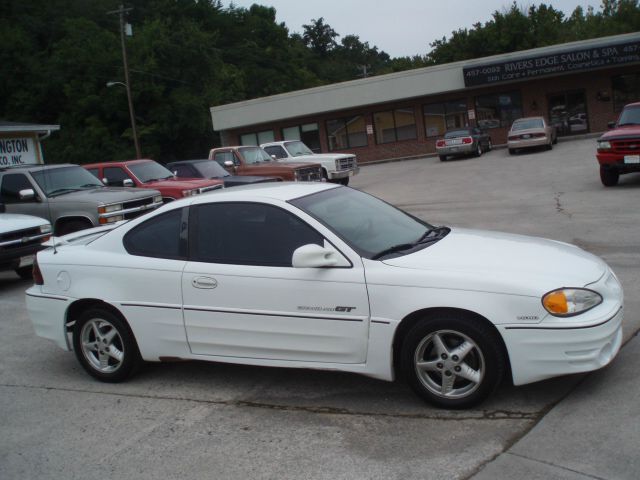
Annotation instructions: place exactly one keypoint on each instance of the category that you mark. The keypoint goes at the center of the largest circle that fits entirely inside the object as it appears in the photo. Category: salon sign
(18, 151)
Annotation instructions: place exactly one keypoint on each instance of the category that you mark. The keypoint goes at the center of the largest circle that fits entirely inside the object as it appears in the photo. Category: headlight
(566, 302)
(110, 208)
(45, 228)
(189, 193)
(604, 145)
(114, 219)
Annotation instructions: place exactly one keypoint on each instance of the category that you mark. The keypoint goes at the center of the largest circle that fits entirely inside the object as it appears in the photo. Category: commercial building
(577, 86)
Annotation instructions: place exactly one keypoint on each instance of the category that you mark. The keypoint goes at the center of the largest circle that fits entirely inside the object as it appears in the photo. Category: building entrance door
(568, 112)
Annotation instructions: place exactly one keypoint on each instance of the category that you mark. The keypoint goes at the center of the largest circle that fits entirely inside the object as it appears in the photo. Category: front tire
(104, 345)
(72, 226)
(25, 273)
(609, 176)
(452, 361)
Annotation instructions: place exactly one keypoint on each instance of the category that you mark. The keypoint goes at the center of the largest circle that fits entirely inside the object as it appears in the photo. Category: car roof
(524, 119)
(36, 167)
(118, 162)
(283, 191)
(192, 160)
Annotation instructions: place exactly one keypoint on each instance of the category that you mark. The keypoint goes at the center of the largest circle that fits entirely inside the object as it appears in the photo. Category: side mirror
(127, 182)
(611, 125)
(315, 256)
(274, 157)
(26, 194)
(228, 164)
(105, 181)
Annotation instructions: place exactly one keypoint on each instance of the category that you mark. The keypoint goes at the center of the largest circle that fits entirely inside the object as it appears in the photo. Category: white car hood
(10, 222)
(517, 262)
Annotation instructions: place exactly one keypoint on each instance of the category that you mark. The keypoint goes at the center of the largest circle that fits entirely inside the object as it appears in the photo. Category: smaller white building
(20, 142)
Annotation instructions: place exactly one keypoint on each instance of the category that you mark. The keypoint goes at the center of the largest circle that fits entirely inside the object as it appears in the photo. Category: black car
(463, 141)
(205, 168)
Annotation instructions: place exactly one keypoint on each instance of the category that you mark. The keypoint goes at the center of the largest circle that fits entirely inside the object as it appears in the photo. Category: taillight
(467, 140)
(513, 137)
(440, 143)
(37, 274)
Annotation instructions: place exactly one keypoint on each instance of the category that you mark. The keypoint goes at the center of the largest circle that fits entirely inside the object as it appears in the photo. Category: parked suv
(21, 236)
(619, 148)
(336, 167)
(150, 174)
(69, 197)
(255, 161)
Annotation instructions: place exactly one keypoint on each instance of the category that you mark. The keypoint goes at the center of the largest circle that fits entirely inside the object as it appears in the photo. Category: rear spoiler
(82, 237)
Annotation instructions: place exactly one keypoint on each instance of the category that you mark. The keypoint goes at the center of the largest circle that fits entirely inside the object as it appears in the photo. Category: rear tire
(104, 345)
(512, 151)
(452, 360)
(478, 152)
(609, 176)
(443, 158)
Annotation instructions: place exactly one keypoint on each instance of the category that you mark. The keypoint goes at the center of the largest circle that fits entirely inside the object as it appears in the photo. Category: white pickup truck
(336, 167)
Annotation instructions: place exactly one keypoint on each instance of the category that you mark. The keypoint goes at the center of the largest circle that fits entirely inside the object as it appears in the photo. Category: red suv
(150, 174)
(619, 148)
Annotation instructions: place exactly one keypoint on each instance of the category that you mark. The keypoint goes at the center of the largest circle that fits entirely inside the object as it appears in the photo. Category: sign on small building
(20, 143)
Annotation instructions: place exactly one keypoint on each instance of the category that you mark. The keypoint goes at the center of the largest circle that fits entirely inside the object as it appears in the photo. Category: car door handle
(204, 282)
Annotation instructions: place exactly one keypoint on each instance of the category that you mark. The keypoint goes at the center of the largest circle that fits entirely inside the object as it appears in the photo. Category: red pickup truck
(150, 174)
(619, 148)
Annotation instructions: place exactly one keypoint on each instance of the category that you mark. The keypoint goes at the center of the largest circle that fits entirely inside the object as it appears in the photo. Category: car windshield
(527, 124)
(629, 116)
(370, 226)
(58, 181)
(297, 148)
(150, 171)
(254, 155)
(457, 133)
(210, 169)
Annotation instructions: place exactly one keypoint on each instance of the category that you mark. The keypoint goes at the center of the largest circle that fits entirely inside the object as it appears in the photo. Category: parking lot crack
(556, 466)
(559, 207)
(488, 415)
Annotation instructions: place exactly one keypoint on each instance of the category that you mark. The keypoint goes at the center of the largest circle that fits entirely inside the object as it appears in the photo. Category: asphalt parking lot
(199, 420)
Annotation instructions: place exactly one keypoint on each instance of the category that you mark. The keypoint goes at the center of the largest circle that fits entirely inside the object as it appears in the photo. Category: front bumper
(538, 352)
(343, 173)
(618, 162)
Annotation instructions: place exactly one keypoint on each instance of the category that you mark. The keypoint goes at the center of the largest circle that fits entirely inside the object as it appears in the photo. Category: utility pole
(121, 11)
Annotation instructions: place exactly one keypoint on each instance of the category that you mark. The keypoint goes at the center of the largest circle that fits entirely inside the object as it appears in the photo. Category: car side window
(276, 151)
(158, 237)
(12, 183)
(95, 172)
(222, 157)
(185, 171)
(115, 176)
(244, 233)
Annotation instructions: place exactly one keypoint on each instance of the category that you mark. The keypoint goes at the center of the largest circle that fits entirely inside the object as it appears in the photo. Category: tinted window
(115, 176)
(58, 181)
(186, 171)
(276, 150)
(222, 157)
(158, 237)
(458, 133)
(11, 186)
(247, 234)
(95, 172)
(150, 171)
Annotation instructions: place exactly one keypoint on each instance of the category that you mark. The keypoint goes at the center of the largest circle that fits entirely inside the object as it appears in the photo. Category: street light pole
(121, 11)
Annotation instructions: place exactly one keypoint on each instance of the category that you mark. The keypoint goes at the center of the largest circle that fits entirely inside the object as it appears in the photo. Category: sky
(398, 27)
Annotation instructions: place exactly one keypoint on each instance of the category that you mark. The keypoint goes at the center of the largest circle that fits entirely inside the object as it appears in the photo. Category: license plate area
(632, 159)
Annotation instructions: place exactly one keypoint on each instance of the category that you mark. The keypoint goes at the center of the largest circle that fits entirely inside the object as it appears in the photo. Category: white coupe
(313, 275)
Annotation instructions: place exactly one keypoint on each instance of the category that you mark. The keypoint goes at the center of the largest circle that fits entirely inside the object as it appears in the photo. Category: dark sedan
(206, 168)
(463, 141)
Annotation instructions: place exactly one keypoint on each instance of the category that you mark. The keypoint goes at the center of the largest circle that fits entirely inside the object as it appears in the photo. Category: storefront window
(346, 133)
(395, 125)
(443, 116)
(626, 89)
(498, 110)
(257, 138)
(308, 133)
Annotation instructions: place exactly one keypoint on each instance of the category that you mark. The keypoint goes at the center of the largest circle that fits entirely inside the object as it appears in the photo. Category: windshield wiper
(393, 249)
(431, 235)
(61, 191)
